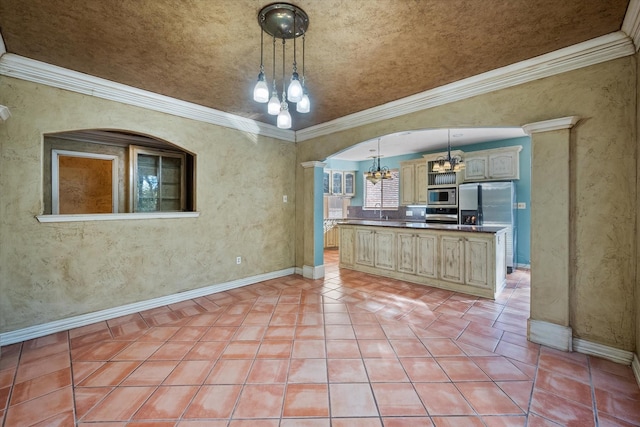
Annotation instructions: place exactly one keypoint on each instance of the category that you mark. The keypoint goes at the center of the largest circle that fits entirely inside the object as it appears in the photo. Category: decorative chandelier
(283, 21)
(448, 163)
(377, 173)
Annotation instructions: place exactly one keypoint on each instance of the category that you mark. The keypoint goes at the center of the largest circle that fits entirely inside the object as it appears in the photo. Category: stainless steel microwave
(442, 197)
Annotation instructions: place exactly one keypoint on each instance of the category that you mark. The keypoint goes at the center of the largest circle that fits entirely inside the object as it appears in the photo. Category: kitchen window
(383, 195)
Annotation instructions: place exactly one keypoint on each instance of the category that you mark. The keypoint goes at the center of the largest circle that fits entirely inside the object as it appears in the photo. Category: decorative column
(313, 217)
(550, 232)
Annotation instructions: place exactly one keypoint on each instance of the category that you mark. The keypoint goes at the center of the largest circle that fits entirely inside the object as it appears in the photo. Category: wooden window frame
(134, 151)
(55, 176)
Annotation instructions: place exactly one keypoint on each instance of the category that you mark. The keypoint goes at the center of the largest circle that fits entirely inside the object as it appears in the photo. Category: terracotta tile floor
(349, 350)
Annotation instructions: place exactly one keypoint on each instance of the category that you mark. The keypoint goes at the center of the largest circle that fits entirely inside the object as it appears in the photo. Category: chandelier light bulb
(261, 90)
(304, 105)
(273, 107)
(294, 92)
(284, 118)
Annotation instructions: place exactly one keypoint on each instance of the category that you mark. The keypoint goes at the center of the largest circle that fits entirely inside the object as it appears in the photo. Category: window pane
(148, 184)
(385, 194)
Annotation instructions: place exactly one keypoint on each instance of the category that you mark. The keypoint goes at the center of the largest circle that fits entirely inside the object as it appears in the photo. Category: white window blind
(385, 194)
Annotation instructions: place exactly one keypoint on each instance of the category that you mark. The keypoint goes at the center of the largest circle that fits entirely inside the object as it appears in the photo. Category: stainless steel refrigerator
(491, 204)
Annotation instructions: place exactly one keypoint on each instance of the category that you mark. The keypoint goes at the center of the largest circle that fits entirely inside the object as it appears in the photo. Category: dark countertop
(422, 225)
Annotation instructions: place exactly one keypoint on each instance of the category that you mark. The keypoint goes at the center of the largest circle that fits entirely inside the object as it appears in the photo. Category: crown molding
(12, 65)
(313, 164)
(594, 51)
(631, 23)
(549, 125)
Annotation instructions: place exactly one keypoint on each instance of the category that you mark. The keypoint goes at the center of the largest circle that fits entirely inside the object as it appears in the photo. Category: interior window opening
(102, 171)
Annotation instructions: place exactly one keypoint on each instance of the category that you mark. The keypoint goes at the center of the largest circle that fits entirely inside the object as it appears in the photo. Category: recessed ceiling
(359, 53)
(421, 141)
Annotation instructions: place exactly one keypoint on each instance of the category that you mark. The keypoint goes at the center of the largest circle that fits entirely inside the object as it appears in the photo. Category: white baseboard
(604, 351)
(635, 365)
(524, 266)
(550, 334)
(311, 272)
(44, 329)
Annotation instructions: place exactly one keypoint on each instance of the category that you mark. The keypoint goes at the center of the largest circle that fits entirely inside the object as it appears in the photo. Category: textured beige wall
(56, 270)
(603, 198)
(637, 138)
(550, 226)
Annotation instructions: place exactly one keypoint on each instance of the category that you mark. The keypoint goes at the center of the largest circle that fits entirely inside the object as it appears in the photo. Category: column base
(550, 334)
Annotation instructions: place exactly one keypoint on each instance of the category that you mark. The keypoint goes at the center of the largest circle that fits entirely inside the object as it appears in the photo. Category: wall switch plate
(522, 205)
(238, 260)
(284, 199)
(409, 213)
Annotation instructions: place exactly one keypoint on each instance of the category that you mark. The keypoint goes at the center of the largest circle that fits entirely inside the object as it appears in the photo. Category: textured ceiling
(359, 53)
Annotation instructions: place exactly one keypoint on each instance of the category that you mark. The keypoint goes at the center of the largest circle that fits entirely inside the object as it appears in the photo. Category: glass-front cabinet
(339, 183)
(349, 179)
(336, 183)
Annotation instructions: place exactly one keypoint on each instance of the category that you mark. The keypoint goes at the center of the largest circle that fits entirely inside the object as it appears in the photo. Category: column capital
(313, 164)
(549, 125)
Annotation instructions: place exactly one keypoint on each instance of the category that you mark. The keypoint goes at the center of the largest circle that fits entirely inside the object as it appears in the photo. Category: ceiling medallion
(282, 21)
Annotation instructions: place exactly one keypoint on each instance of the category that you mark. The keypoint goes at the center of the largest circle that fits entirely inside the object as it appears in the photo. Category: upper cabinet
(339, 183)
(492, 165)
(413, 182)
(349, 183)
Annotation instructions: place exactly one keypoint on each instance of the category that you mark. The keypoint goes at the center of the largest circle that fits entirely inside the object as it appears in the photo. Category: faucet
(377, 205)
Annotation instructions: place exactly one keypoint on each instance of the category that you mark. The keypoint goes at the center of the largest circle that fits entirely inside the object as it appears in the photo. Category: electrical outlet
(238, 260)
(284, 199)
(409, 213)
(522, 205)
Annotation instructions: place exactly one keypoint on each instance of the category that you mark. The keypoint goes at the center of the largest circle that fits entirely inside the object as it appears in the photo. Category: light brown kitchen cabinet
(498, 164)
(413, 182)
(463, 261)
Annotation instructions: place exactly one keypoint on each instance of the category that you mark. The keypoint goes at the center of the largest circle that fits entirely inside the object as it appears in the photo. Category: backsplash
(417, 213)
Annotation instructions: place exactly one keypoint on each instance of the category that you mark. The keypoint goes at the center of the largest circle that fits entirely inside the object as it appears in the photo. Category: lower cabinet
(347, 245)
(332, 238)
(385, 250)
(407, 253)
(364, 246)
(477, 268)
(469, 262)
(452, 259)
(427, 255)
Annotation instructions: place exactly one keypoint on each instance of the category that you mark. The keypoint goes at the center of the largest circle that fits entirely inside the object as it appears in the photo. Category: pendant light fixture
(376, 173)
(449, 163)
(273, 107)
(304, 105)
(284, 117)
(261, 90)
(283, 21)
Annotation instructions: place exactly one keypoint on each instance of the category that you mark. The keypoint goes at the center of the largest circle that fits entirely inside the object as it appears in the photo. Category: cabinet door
(407, 184)
(427, 255)
(326, 182)
(476, 168)
(406, 253)
(504, 165)
(476, 255)
(349, 183)
(385, 250)
(364, 247)
(421, 183)
(336, 183)
(347, 245)
(452, 259)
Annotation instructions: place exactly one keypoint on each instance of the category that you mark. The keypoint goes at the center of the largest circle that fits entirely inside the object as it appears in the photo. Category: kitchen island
(461, 258)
